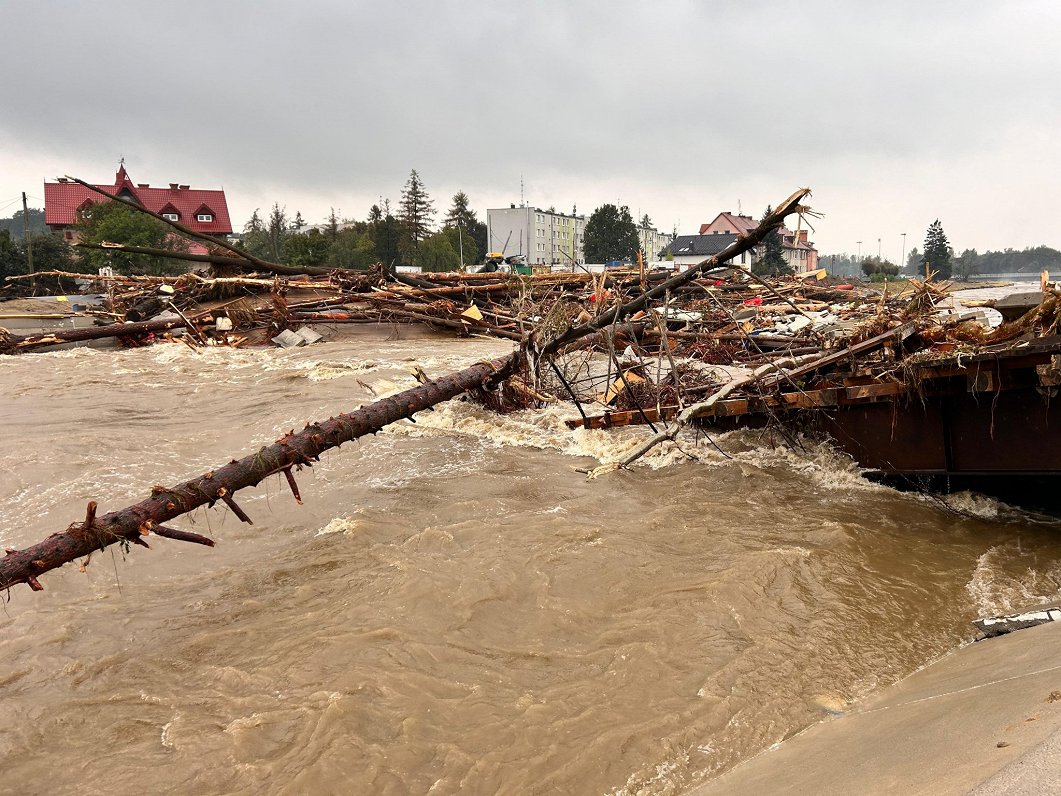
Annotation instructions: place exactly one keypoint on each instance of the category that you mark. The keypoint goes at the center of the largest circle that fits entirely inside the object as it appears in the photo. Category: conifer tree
(460, 214)
(773, 262)
(937, 251)
(414, 212)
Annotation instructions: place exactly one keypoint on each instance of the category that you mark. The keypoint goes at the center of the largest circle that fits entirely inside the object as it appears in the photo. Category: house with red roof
(201, 210)
(799, 253)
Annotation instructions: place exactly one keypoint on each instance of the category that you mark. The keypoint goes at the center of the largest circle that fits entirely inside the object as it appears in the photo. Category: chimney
(803, 236)
(173, 186)
(142, 185)
(184, 187)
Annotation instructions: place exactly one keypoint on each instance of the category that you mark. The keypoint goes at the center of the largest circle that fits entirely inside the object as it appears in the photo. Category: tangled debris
(665, 347)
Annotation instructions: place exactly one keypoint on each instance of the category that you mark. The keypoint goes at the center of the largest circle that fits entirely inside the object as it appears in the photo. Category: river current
(454, 609)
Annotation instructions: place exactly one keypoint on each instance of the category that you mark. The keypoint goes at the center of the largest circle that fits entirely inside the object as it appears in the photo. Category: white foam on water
(1001, 582)
(342, 525)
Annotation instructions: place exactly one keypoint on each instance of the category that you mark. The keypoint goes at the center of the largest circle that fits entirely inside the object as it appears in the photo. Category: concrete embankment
(985, 719)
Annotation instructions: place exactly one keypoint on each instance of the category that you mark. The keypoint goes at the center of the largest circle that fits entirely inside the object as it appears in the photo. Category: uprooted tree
(293, 451)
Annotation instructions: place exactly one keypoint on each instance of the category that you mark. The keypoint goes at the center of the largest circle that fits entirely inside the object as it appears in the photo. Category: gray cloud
(894, 113)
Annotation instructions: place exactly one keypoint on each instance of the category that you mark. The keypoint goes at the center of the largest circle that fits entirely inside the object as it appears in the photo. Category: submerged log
(130, 525)
(18, 343)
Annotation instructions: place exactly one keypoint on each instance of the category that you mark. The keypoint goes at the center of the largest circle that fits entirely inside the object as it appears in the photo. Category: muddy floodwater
(454, 609)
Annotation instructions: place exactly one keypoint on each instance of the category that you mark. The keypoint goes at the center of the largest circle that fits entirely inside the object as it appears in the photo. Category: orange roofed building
(204, 211)
(799, 253)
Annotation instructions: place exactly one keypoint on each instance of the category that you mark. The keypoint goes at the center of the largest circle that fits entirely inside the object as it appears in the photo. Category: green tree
(52, 253)
(461, 214)
(312, 248)
(937, 250)
(610, 235)
(333, 225)
(12, 262)
(462, 243)
(116, 222)
(298, 222)
(772, 262)
(415, 211)
(387, 234)
(277, 230)
(965, 265)
(256, 237)
(915, 262)
(436, 253)
(14, 224)
(353, 249)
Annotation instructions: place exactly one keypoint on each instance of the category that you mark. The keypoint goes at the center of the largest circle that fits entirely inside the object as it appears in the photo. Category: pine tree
(255, 223)
(298, 223)
(773, 262)
(277, 230)
(333, 225)
(460, 214)
(414, 212)
(937, 251)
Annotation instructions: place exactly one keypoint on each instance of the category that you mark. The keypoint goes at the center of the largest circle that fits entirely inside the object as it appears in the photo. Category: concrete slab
(985, 719)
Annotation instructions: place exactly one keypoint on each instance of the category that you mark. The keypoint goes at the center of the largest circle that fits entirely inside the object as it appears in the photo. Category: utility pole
(460, 242)
(25, 233)
(859, 250)
(902, 263)
(878, 249)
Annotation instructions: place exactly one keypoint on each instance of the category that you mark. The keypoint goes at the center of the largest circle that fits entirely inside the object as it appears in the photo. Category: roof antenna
(738, 207)
(522, 201)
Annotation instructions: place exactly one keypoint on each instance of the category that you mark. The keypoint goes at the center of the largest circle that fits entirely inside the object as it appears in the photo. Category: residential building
(799, 253)
(542, 236)
(653, 242)
(690, 250)
(203, 211)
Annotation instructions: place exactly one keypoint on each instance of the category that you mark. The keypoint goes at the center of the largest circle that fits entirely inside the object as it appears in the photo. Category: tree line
(942, 259)
(401, 235)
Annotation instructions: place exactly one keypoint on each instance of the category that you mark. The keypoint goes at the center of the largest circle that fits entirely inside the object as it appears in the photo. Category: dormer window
(206, 218)
(171, 217)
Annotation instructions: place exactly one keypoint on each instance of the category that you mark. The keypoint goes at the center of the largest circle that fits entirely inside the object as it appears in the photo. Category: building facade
(543, 237)
(653, 242)
(798, 252)
(686, 251)
(203, 211)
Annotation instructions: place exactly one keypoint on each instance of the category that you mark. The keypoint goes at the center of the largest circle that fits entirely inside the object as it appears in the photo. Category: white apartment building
(653, 242)
(542, 236)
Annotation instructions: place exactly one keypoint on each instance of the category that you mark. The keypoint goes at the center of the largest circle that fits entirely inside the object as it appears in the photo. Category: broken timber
(16, 344)
(289, 451)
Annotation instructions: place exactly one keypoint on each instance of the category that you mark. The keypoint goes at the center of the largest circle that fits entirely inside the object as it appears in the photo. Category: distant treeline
(1031, 260)
(969, 263)
(14, 223)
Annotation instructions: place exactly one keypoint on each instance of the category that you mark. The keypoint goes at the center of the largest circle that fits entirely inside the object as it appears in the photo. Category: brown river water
(454, 609)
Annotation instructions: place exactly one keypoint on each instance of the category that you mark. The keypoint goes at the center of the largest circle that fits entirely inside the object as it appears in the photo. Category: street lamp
(859, 250)
(878, 249)
(902, 262)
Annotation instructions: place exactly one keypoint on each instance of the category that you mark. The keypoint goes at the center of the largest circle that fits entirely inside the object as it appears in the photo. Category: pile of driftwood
(654, 347)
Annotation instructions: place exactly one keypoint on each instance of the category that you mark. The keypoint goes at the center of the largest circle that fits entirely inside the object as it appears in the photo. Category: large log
(290, 451)
(18, 343)
(622, 311)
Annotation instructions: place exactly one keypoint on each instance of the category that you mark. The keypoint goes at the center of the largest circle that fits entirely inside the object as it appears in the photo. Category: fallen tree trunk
(623, 311)
(17, 344)
(289, 451)
(213, 259)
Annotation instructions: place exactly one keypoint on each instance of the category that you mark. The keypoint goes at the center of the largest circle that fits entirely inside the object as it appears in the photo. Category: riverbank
(985, 719)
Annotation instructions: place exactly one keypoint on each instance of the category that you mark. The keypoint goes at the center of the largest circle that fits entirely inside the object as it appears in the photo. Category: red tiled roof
(63, 199)
(740, 224)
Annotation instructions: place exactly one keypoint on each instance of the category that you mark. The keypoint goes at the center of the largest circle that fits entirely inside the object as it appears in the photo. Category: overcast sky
(893, 113)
